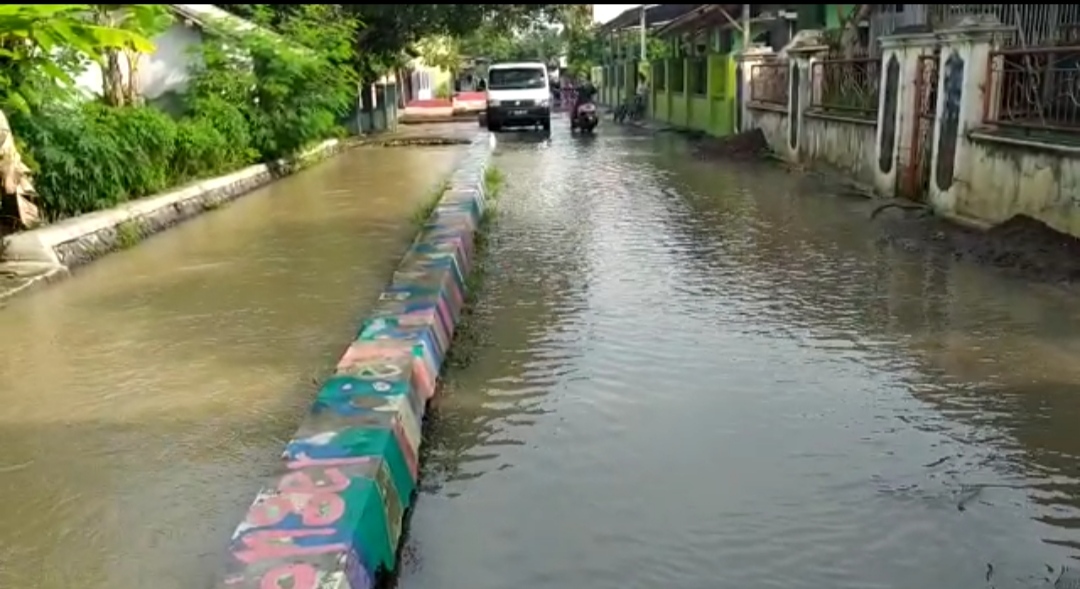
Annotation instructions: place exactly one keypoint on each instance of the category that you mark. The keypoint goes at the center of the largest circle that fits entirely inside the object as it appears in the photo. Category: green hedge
(89, 157)
(252, 99)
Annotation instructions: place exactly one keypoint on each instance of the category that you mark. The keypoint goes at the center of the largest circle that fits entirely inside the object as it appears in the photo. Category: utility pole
(643, 55)
(746, 38)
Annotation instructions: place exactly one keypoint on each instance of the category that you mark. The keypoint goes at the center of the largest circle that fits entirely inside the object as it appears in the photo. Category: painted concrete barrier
(333, 516)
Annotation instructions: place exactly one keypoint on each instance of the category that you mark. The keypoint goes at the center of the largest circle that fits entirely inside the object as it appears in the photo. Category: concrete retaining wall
(333, 516)
(78, 240)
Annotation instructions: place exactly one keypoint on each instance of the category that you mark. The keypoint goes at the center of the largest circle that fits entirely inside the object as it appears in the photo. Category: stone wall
(334, 513)
(844, 144)
(1003, 177)
(773, 122)
(944, 132)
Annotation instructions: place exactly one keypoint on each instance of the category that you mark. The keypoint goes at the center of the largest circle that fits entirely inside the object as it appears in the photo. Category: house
(621, 49)
(164, 74)
(166, 71)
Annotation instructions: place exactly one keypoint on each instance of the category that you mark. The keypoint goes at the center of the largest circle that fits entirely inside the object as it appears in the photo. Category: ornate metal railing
(770, 84)
(1037, 89)
(848, 87)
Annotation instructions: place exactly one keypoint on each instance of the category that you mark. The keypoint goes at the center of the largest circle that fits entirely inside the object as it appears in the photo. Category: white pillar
(901, 172)
(965, 50)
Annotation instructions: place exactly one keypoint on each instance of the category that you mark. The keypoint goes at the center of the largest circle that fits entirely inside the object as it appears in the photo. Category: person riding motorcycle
(586, 92)
(641, 94)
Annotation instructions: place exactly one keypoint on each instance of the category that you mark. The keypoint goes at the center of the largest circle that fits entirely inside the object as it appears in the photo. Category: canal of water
(145, 398)
(701, 374)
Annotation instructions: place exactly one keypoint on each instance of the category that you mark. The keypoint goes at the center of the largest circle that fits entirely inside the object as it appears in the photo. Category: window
(517, 79)
(812, 16)
(678, 80)
(727, 41)
(699, 75)
(659, 74)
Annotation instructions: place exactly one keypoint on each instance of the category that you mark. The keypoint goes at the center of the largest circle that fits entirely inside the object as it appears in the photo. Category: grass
(424, 211)
(494, 179)
(468, 336)
(127, 235)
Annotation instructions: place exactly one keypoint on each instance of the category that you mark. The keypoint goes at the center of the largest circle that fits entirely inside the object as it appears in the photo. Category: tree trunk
(112, 79)
(15, 186)
(849, 34)
(132, 91)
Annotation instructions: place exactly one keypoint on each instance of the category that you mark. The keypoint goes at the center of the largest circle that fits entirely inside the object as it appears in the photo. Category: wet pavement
(696, 374)
(145, 397)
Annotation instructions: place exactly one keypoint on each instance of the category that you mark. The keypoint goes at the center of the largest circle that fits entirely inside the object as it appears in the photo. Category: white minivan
(518, 94)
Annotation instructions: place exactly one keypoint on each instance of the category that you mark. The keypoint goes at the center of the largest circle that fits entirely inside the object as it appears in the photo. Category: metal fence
(1035, 88)
(848, 87)
(770, 84)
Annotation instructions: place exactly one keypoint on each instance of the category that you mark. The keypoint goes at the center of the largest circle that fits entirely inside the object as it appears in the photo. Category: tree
(579, 34)
(146, 20)
(36, 45)
(848, 41)
(33, 38)
(391, 30)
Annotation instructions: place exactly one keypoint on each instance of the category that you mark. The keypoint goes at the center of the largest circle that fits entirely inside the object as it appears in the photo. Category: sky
(605, 12)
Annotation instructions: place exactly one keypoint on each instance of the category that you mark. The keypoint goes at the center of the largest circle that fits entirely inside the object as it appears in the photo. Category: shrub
(255, 97)
(443, 90)
(89, 157)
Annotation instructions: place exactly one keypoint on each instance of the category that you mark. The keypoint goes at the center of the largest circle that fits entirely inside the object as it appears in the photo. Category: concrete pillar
(802, 59)
(963, 88)
(905, 115)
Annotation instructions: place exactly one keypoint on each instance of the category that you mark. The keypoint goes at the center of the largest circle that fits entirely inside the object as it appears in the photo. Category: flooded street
(144, 398)
(703, 374)
(685, 374)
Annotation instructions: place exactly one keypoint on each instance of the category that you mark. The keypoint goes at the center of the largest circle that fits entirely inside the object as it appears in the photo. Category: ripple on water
(697, 375)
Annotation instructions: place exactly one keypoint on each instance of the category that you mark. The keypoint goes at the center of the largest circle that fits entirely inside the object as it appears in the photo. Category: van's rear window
(516, 79)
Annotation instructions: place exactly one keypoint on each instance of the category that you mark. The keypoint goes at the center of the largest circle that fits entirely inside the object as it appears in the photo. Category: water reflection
(701, 374)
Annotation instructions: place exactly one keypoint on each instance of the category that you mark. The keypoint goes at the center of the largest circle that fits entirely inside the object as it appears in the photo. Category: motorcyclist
(586, 92)
(641, 93)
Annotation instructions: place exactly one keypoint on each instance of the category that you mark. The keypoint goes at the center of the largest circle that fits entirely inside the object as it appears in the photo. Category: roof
(706, 15)
(200, 14)
(655, 15)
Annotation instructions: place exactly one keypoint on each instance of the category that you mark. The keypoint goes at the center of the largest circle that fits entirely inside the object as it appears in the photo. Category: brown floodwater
(698, 374)
(144, 399)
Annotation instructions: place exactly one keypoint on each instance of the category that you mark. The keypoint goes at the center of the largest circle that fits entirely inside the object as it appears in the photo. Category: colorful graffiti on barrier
(334, 517)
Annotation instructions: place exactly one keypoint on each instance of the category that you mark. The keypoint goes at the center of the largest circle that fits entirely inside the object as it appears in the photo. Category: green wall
(712, 112)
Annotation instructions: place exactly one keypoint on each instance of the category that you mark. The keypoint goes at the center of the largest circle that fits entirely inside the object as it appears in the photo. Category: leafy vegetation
(560, 30)
(256, 95)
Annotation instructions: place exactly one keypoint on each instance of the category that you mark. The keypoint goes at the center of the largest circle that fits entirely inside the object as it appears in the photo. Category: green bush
(89, 157)
(443, 90)
(256, 98)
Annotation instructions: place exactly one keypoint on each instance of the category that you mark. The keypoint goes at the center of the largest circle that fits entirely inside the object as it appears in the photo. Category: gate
(916, 180)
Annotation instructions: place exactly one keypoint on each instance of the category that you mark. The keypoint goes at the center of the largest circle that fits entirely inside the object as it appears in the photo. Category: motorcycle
(585, 118)
(632, 111)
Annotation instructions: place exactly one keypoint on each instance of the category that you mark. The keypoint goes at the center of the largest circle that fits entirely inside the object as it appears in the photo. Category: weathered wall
(773, 122)
(334, 513)
(1006, 177)
(849, 145)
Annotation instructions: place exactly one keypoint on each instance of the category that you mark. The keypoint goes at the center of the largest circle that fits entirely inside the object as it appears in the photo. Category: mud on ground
(1021, 245)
